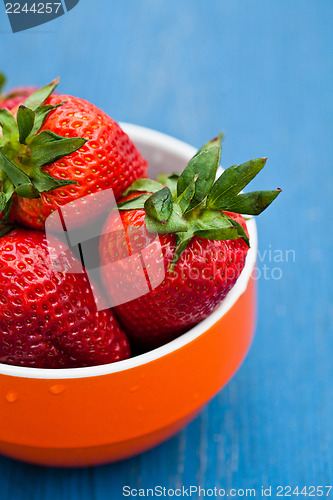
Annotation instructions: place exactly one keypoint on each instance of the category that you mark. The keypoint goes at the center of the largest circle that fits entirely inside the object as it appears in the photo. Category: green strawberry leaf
(32, 151)
(162, 179)
(5, 228)
(8, 123)
(44, 182)
(27, 191)
(198, 202)
(48, 147)
(240, 231)
(175, 222)
(252, 203)
(211, 225)
(45, 137)
(6, 210)
(216, 142)
(182, 241)
(25, 122)
(170, 181)
(147, 185)
(12, 171)
(3, 81)
(210, 219)
(214, 225)
(40, 116)
(220, 234)
(159, 205)
(232, 181)
(204, 163)
(30, 187)
(39, 97)
(186, 197)
(7, 190)
(137, 203)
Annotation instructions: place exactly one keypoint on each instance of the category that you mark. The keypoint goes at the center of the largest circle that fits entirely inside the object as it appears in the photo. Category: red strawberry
(60, 151)
(48, 319)
(186, 247)
(15, 96)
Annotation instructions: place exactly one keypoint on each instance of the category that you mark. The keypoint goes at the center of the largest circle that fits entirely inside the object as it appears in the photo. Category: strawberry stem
(24, 151)
(193, 203)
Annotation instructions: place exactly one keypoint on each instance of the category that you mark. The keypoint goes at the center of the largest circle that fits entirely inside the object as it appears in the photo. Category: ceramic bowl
(86, 416)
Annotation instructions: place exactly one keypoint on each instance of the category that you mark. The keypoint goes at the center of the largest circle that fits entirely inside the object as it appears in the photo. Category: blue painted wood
(262, 71)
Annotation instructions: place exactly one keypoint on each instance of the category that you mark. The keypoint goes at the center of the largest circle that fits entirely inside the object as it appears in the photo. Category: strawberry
(59, 149)
(14, 97)
(48, 318)
(187, 244)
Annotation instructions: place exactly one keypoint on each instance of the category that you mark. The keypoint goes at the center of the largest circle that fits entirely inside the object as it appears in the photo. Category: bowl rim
(165, 142)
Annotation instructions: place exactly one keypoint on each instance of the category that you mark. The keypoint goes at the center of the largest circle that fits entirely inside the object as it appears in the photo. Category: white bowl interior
(164, 154)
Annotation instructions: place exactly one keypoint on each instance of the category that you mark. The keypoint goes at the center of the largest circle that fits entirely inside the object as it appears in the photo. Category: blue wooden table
(262, 71)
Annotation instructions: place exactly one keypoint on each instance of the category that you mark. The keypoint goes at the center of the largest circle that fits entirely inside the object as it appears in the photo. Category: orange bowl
(87, 416)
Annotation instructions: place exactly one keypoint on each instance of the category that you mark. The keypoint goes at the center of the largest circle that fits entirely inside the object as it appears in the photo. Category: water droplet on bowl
(11, 397)
(57, 389)
(134, 388)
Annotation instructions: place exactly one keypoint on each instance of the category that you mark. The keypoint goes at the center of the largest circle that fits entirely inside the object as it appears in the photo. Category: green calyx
(6, 228)
(3, 81)
(193, 203)
(24, 150)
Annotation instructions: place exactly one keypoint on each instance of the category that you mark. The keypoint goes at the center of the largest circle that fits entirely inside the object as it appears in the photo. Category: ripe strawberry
(14, 97)
(187, 244)
(58, 152)
(48, 319)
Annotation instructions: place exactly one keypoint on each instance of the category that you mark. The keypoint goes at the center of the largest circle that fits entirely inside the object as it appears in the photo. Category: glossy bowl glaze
(86, 416)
